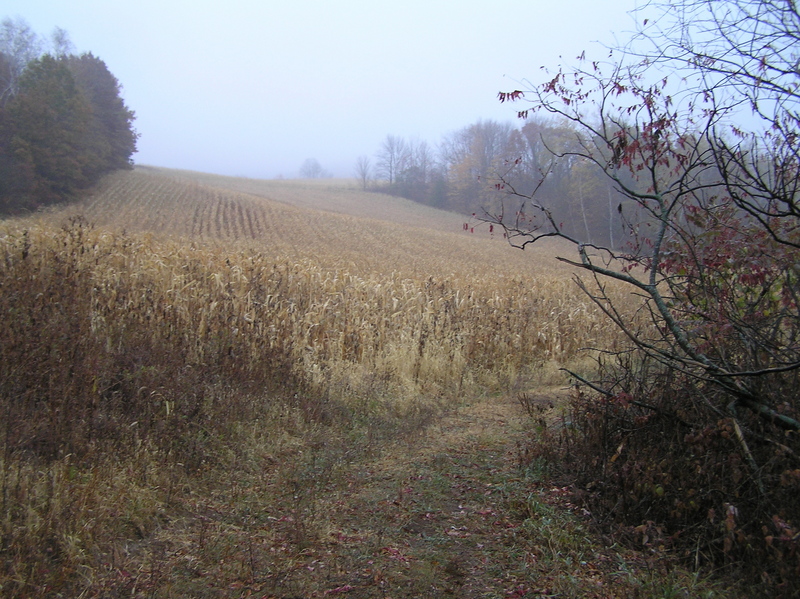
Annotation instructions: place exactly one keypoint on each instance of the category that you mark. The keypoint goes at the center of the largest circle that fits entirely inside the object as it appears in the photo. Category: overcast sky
(254, 88)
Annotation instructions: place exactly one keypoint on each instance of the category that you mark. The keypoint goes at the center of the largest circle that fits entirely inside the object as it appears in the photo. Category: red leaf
(342, 589)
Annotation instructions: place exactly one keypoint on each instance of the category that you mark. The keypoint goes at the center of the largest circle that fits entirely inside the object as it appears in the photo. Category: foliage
(703, 405)
(660, 470)
(112, 121)
(462, 172)
(46, 126)
(63, 123)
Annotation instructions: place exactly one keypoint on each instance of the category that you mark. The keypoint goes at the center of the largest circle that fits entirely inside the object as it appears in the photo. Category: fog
(254, 88)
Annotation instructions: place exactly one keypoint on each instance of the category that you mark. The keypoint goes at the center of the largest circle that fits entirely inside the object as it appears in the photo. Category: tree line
(63, 122)
(472, 169)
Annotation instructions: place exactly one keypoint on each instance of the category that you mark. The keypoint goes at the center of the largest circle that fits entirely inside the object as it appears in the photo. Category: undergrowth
(658, 469)
(137, 374)
(179, 420)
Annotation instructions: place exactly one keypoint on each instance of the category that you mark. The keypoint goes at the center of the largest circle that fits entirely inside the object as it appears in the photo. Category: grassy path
(445, 513)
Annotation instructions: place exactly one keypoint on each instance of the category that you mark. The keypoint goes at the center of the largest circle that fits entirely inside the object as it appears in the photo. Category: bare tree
(363, 171)
(699, 134)
(391, 157)
(20, 45)
(676, 164)
(743, 54)
(61, 43)
(415, 171)
(312, 169)
(475, 157)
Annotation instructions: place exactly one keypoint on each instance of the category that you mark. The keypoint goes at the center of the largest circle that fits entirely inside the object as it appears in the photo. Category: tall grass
(131, 363)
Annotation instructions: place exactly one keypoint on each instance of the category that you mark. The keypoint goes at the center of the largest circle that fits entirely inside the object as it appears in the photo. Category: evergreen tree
(46, 127)
(112, 122)
(63, 123)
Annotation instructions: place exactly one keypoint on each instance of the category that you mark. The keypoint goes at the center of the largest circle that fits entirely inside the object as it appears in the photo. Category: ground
(451, 512)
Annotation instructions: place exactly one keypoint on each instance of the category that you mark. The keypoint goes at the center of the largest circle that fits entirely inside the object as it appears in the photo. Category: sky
(254, 88)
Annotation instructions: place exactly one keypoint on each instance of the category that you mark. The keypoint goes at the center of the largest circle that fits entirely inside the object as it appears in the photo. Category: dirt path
(448, 513)
(430, 513)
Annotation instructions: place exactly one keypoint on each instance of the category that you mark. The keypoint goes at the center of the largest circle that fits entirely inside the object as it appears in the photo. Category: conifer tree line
(463, 172)
(63, 122)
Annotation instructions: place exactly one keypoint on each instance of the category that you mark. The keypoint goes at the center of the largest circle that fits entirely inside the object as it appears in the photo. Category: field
(229, 387)
(331, 222)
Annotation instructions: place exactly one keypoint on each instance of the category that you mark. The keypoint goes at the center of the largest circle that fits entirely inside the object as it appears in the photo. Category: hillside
(328, 221)
(341, 196)
(212, 389)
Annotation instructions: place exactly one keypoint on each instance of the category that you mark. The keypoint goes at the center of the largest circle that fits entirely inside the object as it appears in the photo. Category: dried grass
(224, 331)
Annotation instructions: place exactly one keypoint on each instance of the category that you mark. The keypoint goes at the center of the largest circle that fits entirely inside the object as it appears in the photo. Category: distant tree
(474, 158)
(6, 78)
(363, 171)
(312, 169)
(63, 122)
(46, 126)
(415, 171)
(14, 178)
(20, 45)
(390, 158)
(61, 43)
(113, 135)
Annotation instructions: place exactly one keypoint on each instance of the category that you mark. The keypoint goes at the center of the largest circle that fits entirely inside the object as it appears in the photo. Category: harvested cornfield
(165, 333)
(361, 294)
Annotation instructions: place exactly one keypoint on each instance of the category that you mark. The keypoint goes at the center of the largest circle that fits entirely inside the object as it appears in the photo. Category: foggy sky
(253, 88)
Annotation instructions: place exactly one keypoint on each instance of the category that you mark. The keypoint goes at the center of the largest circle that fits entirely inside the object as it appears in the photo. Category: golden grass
(166, 331)
(341, 196)
(328, 222)
(370, 290)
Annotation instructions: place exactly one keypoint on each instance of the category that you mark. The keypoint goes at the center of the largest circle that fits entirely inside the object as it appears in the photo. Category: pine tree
(112, 121)
(46, 126)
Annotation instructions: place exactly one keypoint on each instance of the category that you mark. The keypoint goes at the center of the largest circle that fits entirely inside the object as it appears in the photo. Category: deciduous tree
(390, 158)
(415, 171)
(19, 45)
(63, 122)
(475, 158)
(700, 134)
(674, 164)
(114, 136)
(312, 169)
(363, 171)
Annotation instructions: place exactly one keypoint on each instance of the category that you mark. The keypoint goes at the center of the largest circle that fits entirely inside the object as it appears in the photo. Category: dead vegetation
(185, 403)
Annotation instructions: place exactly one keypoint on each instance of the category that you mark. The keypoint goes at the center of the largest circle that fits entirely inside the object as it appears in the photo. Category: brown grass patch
(182, 401)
